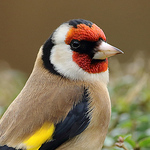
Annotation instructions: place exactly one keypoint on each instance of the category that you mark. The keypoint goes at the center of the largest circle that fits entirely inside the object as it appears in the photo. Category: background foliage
(129, 89)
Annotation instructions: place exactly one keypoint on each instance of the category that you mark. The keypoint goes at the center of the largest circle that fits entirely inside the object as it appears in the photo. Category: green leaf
(130, 141)
(128, 136)
(145, 142)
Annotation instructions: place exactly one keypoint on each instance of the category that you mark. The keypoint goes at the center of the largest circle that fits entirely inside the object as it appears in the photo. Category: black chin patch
(75, 22)
(97, 60)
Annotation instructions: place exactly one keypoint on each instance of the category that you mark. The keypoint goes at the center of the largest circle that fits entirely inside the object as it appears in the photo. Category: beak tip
(106, 50)
(119, 51)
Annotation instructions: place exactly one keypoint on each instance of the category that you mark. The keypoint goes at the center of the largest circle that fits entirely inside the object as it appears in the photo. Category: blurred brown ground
(25, 25)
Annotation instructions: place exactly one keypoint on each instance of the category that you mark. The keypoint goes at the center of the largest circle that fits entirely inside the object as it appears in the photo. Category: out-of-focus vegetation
(129, 89)
(11, 83)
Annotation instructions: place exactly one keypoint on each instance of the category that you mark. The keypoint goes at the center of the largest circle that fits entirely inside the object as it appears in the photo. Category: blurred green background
(25, 25)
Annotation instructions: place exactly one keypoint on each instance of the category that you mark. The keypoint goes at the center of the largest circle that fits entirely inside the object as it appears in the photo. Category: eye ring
(75, 44)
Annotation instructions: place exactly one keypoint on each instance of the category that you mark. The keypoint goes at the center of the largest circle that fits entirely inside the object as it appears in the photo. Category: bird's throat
(89, 65)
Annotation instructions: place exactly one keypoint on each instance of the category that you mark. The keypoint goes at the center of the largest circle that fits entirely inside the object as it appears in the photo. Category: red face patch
(84, 32)
(85, 62)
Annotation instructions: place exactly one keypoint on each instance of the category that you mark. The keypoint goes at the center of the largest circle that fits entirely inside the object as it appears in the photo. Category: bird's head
(78, 50)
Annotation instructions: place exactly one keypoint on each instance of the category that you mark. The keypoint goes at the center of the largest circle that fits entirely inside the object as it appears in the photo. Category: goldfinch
(65, 103)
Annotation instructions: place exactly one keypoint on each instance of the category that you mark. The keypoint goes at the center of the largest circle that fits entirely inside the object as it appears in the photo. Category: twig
(120, 143)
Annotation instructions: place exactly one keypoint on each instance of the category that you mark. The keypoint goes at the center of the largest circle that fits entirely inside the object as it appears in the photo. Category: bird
(65, 103)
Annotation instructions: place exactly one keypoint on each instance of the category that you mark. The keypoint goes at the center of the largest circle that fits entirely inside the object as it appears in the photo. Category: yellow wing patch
(40, 136)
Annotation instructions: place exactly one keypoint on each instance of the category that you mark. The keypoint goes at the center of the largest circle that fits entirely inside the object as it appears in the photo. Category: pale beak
(105, 50)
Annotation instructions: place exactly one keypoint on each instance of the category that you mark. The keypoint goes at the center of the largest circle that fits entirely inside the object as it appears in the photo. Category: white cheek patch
(60, 33)
(61, 58)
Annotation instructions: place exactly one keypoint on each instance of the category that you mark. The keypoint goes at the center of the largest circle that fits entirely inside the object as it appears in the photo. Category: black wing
(6, 148)
(76, 122)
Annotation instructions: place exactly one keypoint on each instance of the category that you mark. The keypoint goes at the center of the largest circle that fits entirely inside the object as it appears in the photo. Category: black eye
(75, 44)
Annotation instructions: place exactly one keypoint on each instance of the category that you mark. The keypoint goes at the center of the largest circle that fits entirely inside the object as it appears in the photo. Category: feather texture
(75, 123)
(53, 108)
